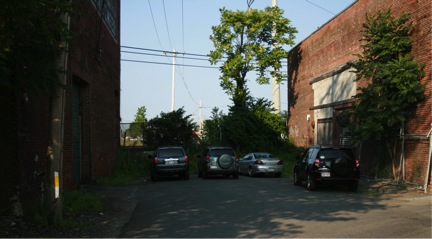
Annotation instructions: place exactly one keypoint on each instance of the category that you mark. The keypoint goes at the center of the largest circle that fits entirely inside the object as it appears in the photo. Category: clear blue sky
(185, 25)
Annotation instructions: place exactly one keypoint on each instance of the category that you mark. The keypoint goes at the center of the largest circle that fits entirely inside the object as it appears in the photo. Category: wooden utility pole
(55, 148)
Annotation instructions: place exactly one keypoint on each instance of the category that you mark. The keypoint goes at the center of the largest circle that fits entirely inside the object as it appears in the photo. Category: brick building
(321, 86)
(91, 113)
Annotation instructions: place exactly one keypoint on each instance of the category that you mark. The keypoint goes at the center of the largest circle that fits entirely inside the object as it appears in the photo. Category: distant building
(321, 86)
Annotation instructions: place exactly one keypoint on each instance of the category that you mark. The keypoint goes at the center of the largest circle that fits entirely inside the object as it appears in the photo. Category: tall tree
(393, 83)
(247, 41)
(140, 122)
(393, 77)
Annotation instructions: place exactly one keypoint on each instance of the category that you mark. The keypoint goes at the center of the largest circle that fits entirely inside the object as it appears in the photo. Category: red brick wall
(334, 44)
(94, 61)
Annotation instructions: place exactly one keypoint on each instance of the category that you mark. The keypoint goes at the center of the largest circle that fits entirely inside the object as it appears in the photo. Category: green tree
(212, 128)
(172, 128)
(394, 89)
(247, 41)
(136, 129)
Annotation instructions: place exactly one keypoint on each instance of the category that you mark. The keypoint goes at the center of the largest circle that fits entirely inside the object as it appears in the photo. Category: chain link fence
(131, 134)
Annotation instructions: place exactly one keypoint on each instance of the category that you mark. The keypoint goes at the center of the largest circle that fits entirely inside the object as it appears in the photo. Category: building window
(108, 10)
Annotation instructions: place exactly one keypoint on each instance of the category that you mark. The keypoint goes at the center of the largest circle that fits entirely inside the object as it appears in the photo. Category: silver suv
(169, 161)
(218, 161)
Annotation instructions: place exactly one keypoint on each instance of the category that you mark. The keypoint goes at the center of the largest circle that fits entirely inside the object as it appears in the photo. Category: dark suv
(169, 161)
(332, 165)
(218, 161)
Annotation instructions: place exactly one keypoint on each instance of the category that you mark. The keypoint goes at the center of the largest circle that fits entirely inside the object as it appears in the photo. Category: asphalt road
(270, 207)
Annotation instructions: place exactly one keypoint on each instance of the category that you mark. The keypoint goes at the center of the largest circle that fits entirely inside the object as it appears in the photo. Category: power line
(160, 55)
(169, 64)
(316, 5)
(166, 23)
(154, 24)
(169, 52)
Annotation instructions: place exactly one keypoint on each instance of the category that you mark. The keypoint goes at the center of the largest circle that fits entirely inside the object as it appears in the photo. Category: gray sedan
(260, 163)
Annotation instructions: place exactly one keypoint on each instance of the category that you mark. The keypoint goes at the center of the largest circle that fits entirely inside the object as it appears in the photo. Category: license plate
(271, 170)
(171, 162)
(325, 174)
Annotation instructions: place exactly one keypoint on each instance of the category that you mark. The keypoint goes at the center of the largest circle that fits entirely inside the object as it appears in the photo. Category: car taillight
(208, 158)
(186, 159)
(259, 162)
(280, 162)
(357, 163)
(317, 162)
(236, 158)
(155, 160)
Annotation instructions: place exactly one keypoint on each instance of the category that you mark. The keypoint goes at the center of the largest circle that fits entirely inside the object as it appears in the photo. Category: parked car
(327, 165)
(169, 161)
(256, 163)
(216, 160)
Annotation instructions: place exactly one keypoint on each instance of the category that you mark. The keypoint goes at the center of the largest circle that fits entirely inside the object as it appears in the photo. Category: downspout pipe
(429, 161)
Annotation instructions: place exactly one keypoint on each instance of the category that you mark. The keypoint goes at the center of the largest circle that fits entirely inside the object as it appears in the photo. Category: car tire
(225, 161)
(311, 184)
(251, 173)
(185, 176)
(353, 187)
(297, 179)
(278, 175)
(153, 177)
(235, 176)
(205, 174)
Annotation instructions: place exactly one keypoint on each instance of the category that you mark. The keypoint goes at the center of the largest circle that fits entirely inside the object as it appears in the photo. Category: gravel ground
(120, 203)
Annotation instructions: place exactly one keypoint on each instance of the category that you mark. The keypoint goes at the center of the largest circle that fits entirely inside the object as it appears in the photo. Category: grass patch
(81, 202)
(129, 166)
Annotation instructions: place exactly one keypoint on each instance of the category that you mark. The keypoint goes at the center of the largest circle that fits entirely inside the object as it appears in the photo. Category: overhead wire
(316, 5)
(166, 24)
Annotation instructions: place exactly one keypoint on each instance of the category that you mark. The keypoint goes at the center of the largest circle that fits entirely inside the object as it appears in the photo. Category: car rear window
(263, 155)
(336, 153)
(171, 152)
(219, 152)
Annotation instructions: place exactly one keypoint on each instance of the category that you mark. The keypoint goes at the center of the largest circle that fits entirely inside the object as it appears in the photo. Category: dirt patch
(390, 189)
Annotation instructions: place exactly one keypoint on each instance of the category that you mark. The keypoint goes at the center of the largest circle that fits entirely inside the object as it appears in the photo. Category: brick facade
(323, 57)
(91, 115)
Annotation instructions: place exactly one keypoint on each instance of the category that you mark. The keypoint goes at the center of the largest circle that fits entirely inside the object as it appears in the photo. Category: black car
(216, 160)
(169, 161)
(327, 165)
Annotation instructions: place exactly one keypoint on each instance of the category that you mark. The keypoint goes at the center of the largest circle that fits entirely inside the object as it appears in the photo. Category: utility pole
(173, 80)
(276, 85)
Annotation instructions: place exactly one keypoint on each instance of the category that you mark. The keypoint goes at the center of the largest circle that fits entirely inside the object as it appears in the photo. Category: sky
(151, 27)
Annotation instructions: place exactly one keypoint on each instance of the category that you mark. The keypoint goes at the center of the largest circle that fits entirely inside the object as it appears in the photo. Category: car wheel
(251, 172)
(353, 187)
(235, 176)
(225, 161)
(278, 175)
(185, 176)
(297, 180)
(311, 184)
(154, 177)
(205, 174)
